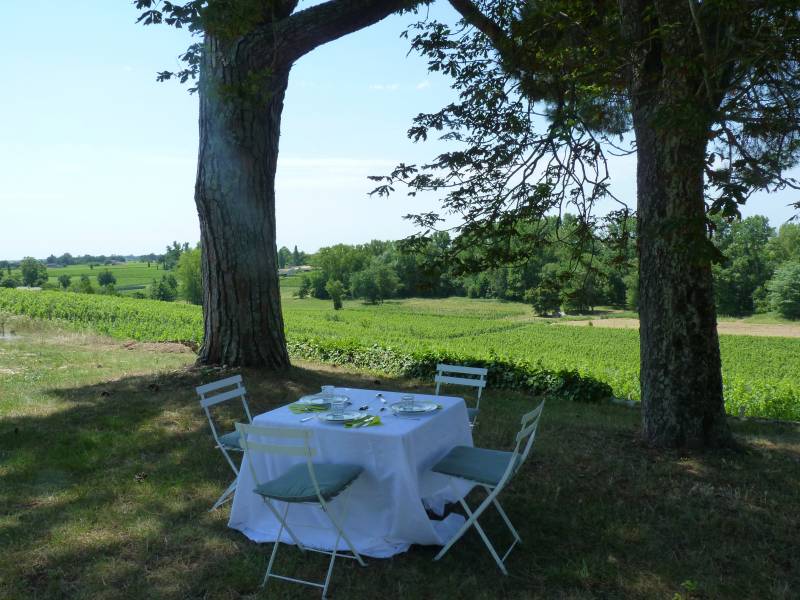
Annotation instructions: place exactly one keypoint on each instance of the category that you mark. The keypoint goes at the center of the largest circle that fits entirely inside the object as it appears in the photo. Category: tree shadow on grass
(109, 497)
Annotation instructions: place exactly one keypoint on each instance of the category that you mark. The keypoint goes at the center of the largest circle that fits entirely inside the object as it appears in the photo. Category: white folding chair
(308, 482)
(492, 470)
(469, 376)
(210, 395)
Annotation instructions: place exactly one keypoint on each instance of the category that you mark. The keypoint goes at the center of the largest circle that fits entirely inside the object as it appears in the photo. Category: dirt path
(724, 327)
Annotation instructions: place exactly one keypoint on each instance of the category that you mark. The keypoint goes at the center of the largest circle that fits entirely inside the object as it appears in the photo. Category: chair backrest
(248, 438)
(523, 442)
(222, 391)
(455, 375)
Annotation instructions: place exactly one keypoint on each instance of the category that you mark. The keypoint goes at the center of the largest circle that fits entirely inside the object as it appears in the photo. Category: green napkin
(365, 421)
(307, 408)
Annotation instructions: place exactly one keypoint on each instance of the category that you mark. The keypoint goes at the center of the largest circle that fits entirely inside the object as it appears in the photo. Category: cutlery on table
(304, 419)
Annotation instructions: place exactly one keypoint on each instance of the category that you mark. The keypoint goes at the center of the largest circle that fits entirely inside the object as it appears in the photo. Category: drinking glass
(408, 401)
(338, 405)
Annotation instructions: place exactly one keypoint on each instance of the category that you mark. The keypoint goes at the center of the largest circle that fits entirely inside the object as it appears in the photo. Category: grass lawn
(107, 472)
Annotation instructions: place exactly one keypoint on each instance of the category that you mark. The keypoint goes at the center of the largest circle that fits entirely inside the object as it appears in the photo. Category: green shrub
(34, 273)
(105, 278)
(190, 274)
(503, 373)
(305, 287)
(784, 290)
(335, 290)
(165, 289)
(83, 286)
(375, 283)
(545, 298)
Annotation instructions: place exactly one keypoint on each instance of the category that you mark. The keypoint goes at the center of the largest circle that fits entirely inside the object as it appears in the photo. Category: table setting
(395, 437)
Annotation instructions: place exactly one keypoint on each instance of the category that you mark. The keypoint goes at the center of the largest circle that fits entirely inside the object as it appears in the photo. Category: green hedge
(506, 374)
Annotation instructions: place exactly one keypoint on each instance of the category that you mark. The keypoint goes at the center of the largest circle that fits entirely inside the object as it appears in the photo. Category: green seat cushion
(231, 440)
(296, 486)
(472, 412)
(475, 464)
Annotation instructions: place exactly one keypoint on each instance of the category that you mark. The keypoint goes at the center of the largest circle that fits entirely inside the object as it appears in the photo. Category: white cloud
(385, 87)
(422, 85)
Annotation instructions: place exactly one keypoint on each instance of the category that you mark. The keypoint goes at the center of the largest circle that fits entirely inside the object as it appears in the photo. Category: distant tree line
(757, 269)
(550, 278)
(67, 259)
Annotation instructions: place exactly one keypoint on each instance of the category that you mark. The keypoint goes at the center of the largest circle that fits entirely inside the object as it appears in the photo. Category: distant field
(763, 327)
(290, 285)
(131, 276)
(760, 373)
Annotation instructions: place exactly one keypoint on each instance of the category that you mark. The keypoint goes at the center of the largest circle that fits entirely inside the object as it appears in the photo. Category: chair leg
(341, 529)
(330, 564)
(505, 517)
(226, 495)
(284, 524)
(229, 459)
(275, 548)
(467, 524)
(341, 535)
(472, 520)
(485, 539)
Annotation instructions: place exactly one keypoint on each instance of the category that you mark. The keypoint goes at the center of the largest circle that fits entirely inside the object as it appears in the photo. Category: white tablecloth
(386, 508)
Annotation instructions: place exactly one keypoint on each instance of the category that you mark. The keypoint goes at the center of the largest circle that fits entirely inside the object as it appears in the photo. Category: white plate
(313, 400)
(345, 417)
(419, 406)
(318, 400)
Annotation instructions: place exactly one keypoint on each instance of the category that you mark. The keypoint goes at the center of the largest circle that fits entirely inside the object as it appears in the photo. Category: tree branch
(473, 15)
(302, 32)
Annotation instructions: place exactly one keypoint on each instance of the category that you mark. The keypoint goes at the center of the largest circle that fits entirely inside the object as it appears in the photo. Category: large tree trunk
(240, 116)
(243, 79)
(680, 367)
(681, 376)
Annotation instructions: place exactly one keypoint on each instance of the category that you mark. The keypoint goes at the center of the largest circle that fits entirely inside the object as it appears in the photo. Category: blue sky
(97, 157)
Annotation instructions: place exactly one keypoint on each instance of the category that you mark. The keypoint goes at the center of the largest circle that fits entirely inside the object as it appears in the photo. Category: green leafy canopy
(545, 97)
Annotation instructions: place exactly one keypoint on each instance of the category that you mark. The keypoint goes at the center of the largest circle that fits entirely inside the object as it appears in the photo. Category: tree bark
(240, 117)
(680, 367)
(243, 80)
(681, 378)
